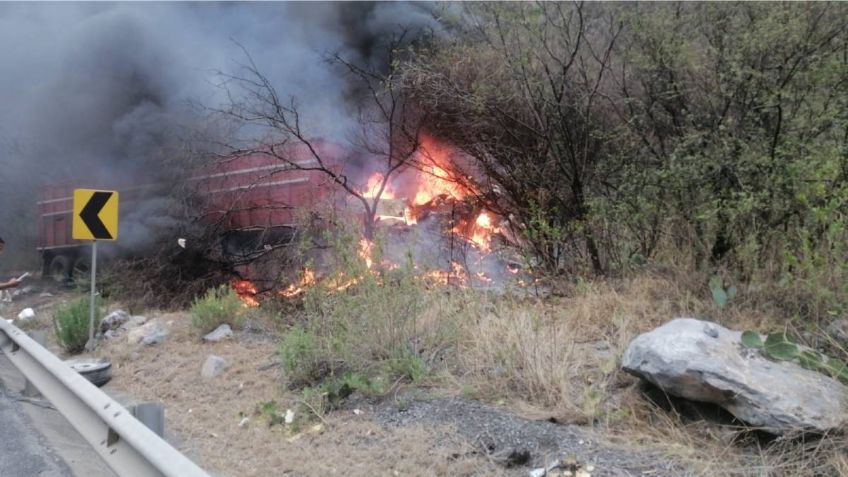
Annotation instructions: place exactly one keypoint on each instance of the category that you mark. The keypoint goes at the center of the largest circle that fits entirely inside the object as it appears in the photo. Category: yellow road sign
(95, 215)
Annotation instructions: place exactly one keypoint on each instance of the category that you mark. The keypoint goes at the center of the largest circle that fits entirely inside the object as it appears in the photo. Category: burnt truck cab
(251, 200)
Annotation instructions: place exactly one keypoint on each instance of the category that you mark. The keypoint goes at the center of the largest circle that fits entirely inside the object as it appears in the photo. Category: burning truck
(424, 210)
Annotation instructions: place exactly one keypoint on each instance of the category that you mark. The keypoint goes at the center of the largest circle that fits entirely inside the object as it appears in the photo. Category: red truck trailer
(241, 195)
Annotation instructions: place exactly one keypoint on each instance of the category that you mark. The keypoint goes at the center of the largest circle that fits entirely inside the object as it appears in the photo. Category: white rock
(213, 367)
(243, 422)
(23, 291)
(706, 362)
(150, 333)
(26, 314)
(114, 320)
(289, 417)
(221, 332)
(134, 321)
(156, 337)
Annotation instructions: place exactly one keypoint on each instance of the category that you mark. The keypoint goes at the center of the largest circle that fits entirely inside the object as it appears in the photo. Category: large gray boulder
(703, 361)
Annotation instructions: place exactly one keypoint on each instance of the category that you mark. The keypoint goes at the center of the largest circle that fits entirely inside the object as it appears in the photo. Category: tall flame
(437, 176)
(372, 187)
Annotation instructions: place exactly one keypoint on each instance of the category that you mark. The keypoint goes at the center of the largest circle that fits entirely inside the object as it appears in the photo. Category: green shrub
(300, 356)
(218, 306)
(360, 336)
(71, 324)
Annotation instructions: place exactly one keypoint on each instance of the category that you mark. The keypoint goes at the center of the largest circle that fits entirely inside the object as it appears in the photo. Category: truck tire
(60, 268)
(82, 268)
(96, 372)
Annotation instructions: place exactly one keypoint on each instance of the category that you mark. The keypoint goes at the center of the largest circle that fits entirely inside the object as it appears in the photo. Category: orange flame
(479, 232)
(365, 248)
(296, 289)
(246, 291)
(372, 187)
(456, 276)
(437, 177)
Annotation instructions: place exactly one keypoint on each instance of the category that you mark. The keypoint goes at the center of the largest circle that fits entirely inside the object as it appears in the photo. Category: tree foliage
(711, 134)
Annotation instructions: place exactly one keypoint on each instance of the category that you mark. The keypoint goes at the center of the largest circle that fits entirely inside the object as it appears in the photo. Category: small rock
(289, 418)
(156, 337)
(26, 314)
(543, 471)
(221, 332)
(149, 334)
(213, 366)
(45, 295)
(114, 320)
(512, 457)
(23, 291)
(243, 422)
(838, 329)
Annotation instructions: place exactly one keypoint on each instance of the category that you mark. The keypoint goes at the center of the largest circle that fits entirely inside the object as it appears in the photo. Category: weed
(270, 411)
(408, 366)
(71, 324)
(218, 306)
(370, 327)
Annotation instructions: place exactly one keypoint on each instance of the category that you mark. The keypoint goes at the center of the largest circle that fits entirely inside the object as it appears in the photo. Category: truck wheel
(82, 268)
(60, 268)
(96, 372)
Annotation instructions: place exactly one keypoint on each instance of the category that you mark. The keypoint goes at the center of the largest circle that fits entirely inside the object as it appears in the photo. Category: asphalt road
(23, 450)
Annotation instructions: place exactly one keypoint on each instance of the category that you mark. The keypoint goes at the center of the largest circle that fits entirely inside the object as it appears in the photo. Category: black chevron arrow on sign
(90, 215)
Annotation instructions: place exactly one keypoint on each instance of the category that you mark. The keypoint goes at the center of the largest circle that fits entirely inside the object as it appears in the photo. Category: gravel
(502, 435)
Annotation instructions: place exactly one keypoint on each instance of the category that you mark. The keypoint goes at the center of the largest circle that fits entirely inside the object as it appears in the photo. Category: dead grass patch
(205, 414)
(553, 357)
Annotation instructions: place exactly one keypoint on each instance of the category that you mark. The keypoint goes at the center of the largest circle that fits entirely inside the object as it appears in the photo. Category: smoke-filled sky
(99, 87)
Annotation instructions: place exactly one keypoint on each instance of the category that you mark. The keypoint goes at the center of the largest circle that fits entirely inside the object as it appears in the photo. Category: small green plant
(300, 355)
(218, 306)
(71, 324)
(270, 411)
(779, 347)
(408, 365)
(721, 295)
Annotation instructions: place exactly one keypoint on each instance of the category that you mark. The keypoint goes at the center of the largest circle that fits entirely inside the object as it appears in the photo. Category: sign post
(95, 218)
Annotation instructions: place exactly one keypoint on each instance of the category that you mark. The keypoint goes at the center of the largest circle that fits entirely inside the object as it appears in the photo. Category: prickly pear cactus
(721, 295)
(779, 347)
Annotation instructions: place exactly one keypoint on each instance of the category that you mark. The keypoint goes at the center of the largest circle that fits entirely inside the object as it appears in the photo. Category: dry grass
(205, 415)
(553, 357)
(560, 357)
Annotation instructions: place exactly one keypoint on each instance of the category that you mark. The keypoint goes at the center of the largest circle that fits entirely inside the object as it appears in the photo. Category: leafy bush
(71, 324)
(218, 306)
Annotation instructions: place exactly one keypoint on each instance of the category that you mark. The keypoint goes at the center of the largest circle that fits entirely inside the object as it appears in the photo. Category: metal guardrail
(124, 443)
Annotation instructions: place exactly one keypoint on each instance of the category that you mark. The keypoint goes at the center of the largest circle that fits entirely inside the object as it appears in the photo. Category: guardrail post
(152, 415)
(39, 337)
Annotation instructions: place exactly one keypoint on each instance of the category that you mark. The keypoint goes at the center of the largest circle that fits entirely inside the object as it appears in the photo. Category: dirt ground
(218, 421)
